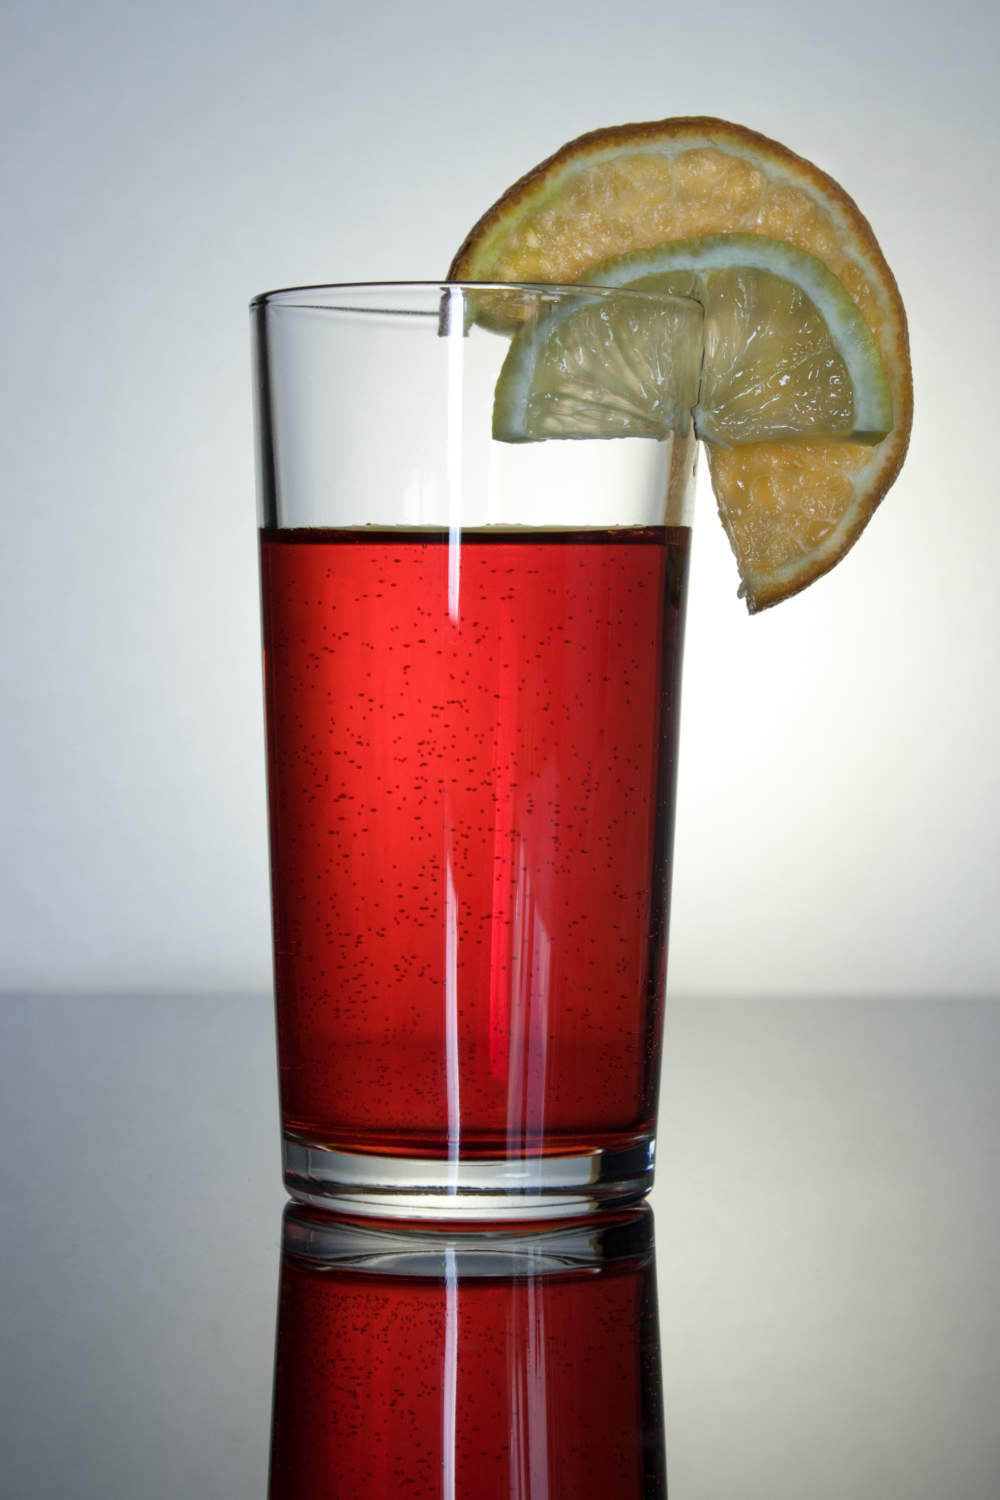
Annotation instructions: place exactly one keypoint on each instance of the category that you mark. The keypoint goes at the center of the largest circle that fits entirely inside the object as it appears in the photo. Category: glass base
(538, 1187)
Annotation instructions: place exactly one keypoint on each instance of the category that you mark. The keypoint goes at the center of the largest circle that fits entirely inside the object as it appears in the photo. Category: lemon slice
(786, 352)
(791, 509)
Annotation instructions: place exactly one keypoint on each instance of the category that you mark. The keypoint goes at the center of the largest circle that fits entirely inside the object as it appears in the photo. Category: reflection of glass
(472, 657)
(481, 1364)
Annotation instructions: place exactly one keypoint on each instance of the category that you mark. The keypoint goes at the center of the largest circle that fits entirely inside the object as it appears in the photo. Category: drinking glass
(472, 652)
(467, 1362)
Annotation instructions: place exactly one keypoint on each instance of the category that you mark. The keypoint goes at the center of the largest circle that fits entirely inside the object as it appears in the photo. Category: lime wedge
(784, 352)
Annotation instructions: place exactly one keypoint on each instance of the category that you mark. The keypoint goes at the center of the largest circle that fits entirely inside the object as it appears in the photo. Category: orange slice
(791, 508)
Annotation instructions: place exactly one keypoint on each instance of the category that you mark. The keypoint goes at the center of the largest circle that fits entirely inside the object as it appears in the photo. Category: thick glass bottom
(516, 1188)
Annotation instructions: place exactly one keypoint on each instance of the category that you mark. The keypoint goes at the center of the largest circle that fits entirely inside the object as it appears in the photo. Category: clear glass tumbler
(472, 654)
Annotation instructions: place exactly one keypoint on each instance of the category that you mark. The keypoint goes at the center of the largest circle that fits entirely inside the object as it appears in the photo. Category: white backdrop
(839, 801)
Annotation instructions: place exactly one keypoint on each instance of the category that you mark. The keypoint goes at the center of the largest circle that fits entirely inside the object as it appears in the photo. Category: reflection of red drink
(441, 1377)
(471, 763)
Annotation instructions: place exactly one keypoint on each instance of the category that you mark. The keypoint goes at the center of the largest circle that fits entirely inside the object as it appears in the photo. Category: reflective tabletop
(823, 1319)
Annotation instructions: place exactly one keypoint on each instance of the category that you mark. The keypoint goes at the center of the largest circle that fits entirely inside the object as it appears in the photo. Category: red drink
(456, 1383)
(471, 751)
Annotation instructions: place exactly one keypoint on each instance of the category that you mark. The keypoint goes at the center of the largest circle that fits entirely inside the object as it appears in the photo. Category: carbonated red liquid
(471, 746)
(458, 1387)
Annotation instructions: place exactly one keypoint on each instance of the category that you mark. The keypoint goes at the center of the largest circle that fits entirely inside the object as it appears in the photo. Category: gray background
(838, 795)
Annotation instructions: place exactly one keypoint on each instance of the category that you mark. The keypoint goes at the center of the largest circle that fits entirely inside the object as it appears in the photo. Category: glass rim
(309, 296)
